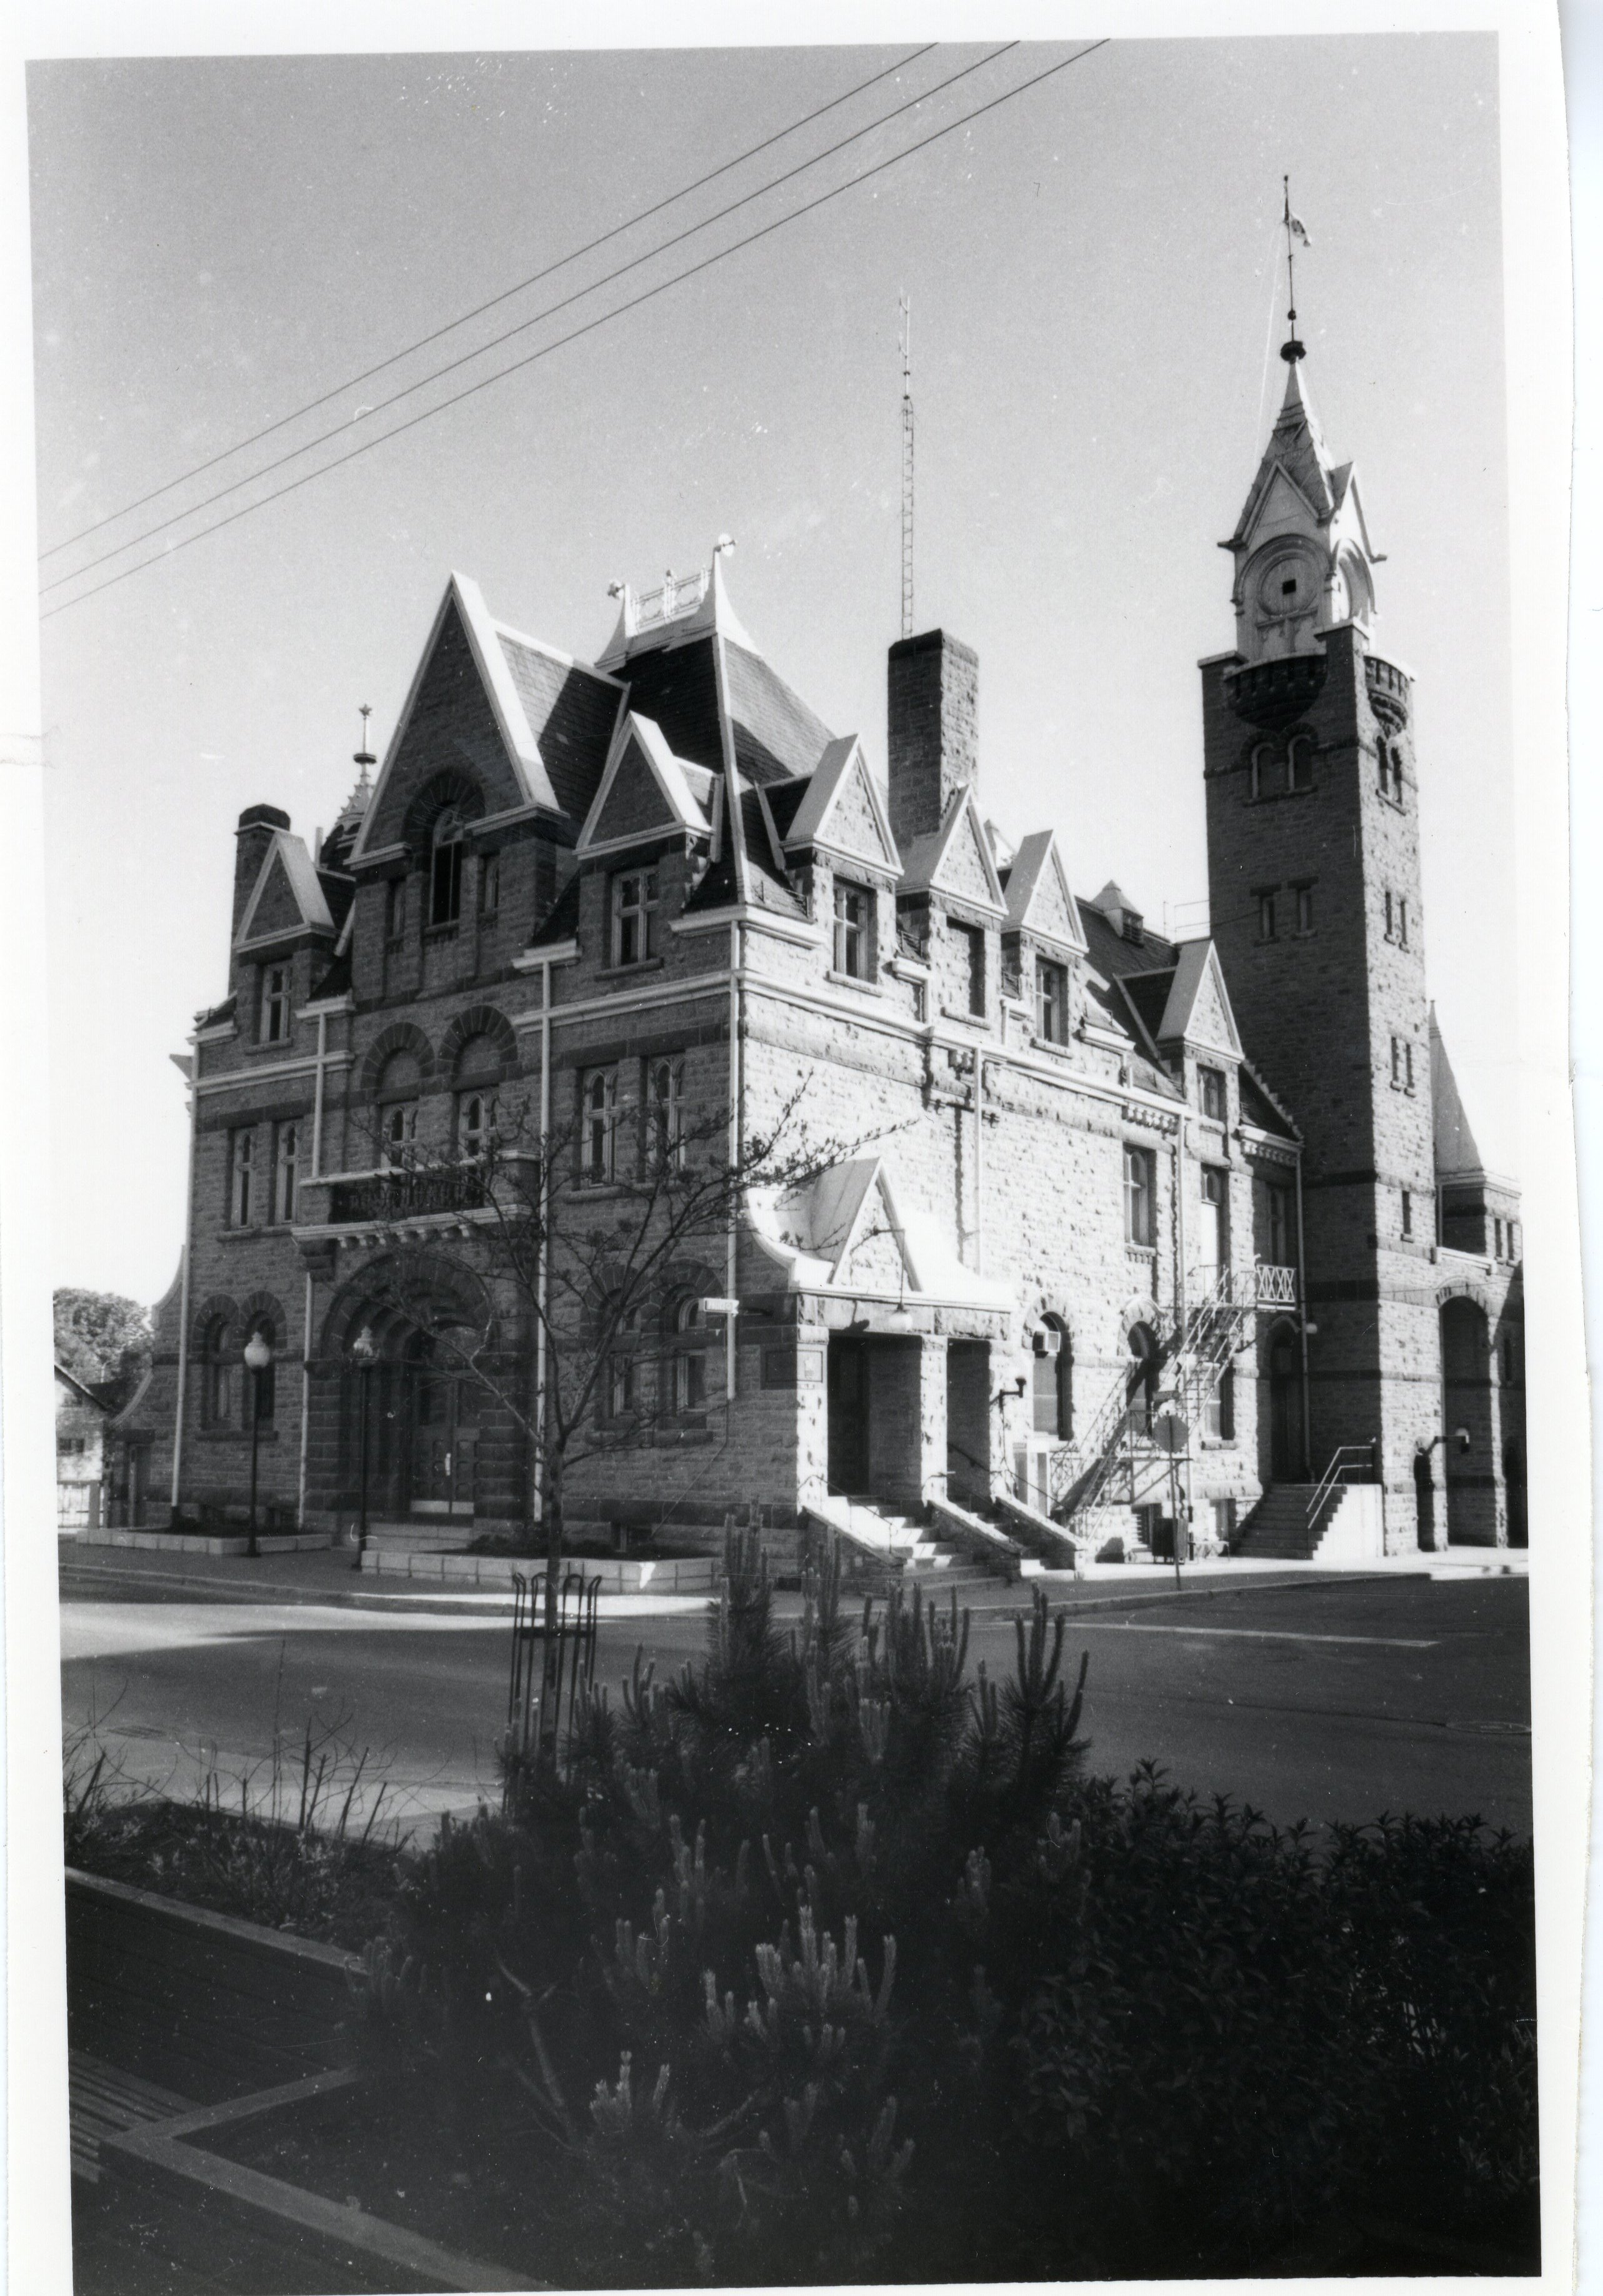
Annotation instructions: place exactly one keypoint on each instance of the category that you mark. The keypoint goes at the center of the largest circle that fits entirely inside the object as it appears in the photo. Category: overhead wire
(575, 334)
(465, 318)
(509, 334)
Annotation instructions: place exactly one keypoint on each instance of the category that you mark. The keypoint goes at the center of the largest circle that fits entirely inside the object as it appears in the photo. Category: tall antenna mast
(907, 466)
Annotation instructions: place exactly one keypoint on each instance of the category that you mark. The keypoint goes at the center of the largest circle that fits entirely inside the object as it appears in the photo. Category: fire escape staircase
(1117, 1461)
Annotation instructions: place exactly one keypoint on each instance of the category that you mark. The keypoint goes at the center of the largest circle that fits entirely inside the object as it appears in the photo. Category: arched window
(1298, 762)
(1261, 772)
(399, 1082)
(1052, 1396)
(475, 1125)
(444, 867)
(664, 1116)
(622, 1384)
(217, 1374)
(689, 1367)
(600, 1114)
(261, 1387)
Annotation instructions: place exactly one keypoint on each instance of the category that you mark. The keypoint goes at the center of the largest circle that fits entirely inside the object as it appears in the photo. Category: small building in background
(80, 1426)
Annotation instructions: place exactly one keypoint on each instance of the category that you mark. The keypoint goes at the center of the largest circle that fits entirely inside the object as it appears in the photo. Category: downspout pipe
(732, 1243)
(1303, 1325)
(189, 1221)
(542, 1270)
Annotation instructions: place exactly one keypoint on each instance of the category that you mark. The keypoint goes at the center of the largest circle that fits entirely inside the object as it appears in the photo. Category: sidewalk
(324, 1577)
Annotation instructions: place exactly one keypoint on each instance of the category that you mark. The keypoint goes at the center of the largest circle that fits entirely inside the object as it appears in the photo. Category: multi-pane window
(851, 930)
(1052, 1400)
(275, 1004)
(1218, 1414)
(445, 869)
(475, 1125)
(664, 1115)
(241, 1178)
(1052, 1001)
(689, 1358)
(1211, 1087)
(397, 1135)
(286, 1160)
(1265, 898)
(217, 1375)
(634, 916)
(599, 1126)
(1139, 1223)
(1279, 1224)
(621, 1382)
(975, 966)
(1305, 897)
(490, 884)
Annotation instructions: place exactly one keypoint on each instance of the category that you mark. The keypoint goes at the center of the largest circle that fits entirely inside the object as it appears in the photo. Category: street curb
(495, 1606)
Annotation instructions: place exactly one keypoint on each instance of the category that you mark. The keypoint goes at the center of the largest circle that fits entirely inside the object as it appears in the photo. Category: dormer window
(851, 930)
(444, 868)
(275, 1004)
(1210, 1085)
(1052, 1002)
(974, 967)
(634, 916)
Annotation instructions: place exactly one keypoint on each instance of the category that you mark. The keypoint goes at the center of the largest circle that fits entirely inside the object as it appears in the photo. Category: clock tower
(1313, 882)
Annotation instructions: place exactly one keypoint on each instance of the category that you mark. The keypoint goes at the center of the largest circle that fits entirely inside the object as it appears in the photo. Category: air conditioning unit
(1049, 1343)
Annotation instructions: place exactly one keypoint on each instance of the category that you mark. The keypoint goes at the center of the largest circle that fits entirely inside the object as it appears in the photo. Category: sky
(1095, 281)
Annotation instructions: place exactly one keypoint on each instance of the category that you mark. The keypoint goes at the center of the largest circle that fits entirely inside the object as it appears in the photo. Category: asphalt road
(1327, 1702)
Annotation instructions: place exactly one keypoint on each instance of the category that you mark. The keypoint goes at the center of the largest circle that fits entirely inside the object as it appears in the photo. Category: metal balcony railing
(404, 1194)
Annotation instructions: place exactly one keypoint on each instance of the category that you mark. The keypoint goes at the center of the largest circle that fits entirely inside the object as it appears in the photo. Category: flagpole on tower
(1292, 349)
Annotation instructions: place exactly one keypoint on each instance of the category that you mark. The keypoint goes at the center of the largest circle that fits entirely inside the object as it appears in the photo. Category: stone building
(1122, 1225)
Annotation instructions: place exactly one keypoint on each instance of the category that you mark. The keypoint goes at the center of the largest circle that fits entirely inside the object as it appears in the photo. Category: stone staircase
(882, 1547)
(1280, 1528)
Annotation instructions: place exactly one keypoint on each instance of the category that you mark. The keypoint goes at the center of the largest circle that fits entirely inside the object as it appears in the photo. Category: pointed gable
(840, 811)
(646, 790)
(287, 896)
(1039, 899)
(1198, 1007)
(955, 861)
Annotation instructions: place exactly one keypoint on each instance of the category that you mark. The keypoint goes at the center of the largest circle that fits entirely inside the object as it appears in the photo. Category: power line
(465, 318)
(509, 334)
(634, 303)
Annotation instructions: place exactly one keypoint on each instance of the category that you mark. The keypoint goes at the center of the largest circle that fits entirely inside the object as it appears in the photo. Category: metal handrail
(1340, 1465)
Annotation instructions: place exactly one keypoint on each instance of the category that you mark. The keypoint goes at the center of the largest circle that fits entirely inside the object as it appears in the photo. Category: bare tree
(592, 1231)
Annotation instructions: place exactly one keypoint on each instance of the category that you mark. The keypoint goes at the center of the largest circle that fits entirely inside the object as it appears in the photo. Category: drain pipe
(542, 1262)
(305, 1395)
(192, 1068)
(1303, 1323)
(731, 1256)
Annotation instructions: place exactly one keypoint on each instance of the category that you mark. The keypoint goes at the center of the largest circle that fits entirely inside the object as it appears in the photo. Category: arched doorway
(1469, 1469)
(1284, 1383)
(442, 1403)
(1142, 1378)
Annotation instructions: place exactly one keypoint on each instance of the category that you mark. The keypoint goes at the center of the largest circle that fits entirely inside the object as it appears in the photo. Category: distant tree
(100, 1337)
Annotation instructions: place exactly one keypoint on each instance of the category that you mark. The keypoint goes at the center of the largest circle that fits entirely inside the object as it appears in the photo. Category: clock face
(1286, 586)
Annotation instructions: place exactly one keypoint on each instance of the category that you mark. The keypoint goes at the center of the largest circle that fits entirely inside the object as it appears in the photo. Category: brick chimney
(932, 729)
(257, 826)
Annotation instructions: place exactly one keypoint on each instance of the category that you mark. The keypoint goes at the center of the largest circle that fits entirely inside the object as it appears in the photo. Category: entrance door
(848, 1416)
(443, 1437)
(1285, 1417)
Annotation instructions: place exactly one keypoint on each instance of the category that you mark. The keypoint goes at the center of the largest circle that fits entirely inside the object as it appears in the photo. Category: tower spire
(1292, 350)
(907, 466)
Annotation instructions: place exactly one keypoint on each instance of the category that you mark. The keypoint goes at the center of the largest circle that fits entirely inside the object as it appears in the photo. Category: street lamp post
(363, 1347)
(259, 1355)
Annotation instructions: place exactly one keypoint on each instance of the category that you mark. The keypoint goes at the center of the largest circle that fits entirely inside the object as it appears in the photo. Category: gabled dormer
(951, 905)
(647, 795)
(1304, 560)
(285, 927)
(1043, 940)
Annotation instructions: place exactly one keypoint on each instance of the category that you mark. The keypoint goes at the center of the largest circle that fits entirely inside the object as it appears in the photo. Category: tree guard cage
(541, 1682)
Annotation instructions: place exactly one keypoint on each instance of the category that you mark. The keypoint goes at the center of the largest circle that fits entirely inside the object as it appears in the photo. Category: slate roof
(676, 687)
(775, 734)
(1457, 1148)
(560, 920)
(1111, 954)
(337, 981)
(571, 713)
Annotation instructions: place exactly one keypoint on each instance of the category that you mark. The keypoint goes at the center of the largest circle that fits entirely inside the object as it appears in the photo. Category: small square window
(1210, 1082)
(1407, 1212)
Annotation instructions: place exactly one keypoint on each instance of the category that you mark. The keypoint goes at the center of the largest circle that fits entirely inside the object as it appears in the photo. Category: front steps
(1347, 1526)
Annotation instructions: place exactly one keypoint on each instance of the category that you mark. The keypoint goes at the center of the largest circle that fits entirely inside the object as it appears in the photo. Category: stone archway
(1468, 1424)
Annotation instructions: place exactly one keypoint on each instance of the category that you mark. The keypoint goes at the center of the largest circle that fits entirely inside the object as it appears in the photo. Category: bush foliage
(824, 1962)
